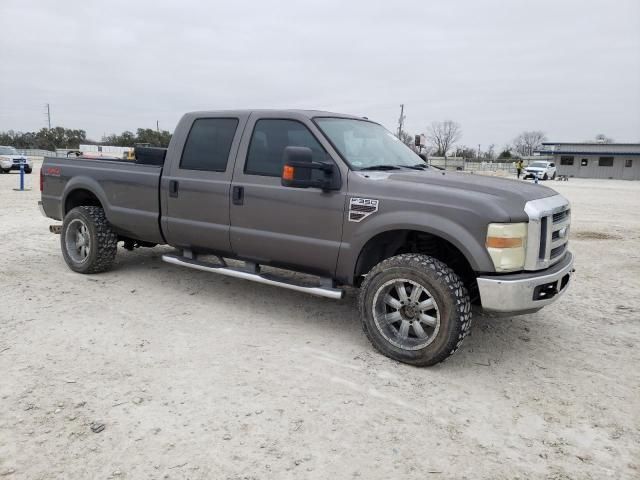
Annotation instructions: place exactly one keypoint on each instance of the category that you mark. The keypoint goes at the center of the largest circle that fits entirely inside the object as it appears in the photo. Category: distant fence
(457, 163)
(37, 153)
(453, 163)
(43, 153)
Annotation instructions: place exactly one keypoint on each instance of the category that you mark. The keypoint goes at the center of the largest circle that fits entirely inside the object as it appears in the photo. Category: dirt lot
(198, 376)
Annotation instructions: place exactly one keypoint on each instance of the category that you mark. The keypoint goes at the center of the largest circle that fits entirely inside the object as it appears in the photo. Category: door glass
(270, 138)
(208, 144)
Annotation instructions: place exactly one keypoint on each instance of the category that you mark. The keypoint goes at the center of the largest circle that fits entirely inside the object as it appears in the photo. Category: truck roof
(302, 112)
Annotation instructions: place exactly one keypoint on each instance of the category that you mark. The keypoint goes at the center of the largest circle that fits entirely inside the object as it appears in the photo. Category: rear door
(196, 183)
(300, 228)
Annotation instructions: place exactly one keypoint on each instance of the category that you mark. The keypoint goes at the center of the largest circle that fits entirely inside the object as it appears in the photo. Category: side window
(208, 144)
(552, 164)
(566, 160)
(269, 139)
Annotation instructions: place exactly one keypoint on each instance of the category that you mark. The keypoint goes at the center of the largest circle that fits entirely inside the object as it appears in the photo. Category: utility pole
(49, 116)
(158, 126)
(478, 151)
(401, 122)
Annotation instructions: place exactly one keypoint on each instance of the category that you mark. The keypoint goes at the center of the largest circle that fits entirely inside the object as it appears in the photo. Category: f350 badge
(361, 208)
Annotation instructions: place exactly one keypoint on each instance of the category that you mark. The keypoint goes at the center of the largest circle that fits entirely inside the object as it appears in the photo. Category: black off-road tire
(28, 170)
(103, 241)
(448, 292)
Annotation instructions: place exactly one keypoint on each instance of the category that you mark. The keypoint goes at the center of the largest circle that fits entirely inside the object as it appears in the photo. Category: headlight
(507, 243)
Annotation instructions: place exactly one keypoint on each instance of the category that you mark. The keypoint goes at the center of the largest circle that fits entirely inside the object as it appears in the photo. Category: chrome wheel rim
(78, 241)
(406, 314)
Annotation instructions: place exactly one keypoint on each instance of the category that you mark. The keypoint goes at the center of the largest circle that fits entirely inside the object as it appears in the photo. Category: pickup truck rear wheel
(415, 309)
(88, 243)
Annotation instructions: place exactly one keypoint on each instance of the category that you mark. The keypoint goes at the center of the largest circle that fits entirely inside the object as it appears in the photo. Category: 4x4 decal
(361, 208)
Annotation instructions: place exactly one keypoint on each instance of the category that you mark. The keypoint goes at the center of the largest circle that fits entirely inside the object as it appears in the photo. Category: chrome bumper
(41, 208)
(525, 292)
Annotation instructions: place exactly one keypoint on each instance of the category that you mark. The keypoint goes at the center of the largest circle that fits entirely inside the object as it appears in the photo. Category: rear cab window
(208, 144)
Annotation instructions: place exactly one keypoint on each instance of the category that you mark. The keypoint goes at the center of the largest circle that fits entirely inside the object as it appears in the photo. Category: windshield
(367, 145)
(539, 165)
(8, 151)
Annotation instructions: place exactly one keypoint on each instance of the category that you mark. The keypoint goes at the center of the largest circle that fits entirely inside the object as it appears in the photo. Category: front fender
(470, 245)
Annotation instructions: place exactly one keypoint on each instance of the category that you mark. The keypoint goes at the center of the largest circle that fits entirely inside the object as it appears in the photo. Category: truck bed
(128, 191)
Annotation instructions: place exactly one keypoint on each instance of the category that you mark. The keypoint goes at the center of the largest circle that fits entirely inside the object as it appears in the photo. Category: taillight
(41, 180)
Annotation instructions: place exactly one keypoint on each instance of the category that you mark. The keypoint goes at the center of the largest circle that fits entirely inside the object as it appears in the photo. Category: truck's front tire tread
(456, 297)
(104, 240)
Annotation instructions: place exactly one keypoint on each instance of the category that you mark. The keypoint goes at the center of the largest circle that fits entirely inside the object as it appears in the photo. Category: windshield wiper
(380, 167)
(419, 166)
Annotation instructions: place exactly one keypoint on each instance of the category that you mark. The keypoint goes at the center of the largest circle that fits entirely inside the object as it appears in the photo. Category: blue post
(21, 175)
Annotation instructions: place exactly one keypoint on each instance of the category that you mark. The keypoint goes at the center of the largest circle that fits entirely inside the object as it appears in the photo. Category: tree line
(60, 137)
(442, 140)
(443, 137)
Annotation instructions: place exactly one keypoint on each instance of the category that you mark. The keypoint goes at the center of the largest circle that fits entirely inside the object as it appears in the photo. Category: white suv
(541, 169)
(10, 159)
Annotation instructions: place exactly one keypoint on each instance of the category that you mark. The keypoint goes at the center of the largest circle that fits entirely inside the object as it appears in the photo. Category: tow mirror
(298, 166)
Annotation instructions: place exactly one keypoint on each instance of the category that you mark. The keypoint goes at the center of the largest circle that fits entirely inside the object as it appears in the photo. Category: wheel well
(80, 197)
(396, 242)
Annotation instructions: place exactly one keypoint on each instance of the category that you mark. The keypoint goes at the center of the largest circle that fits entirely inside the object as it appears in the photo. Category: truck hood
(495, 186)
(506, 195)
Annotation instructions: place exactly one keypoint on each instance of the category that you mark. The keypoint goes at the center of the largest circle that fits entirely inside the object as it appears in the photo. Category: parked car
(10, 159)
(331, 195)
(541, 169)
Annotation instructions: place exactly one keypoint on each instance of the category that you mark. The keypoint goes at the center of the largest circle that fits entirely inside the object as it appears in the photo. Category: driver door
(298, 228)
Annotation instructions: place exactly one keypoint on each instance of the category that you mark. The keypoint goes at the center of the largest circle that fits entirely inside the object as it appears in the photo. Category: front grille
(549, 220)
(557, 251)
(560, 216)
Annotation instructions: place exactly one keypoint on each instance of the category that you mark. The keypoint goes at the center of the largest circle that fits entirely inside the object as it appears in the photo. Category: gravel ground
(153, 371)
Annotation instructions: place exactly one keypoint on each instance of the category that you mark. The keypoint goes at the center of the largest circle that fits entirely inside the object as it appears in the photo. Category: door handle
(173, 188)
(237, 195)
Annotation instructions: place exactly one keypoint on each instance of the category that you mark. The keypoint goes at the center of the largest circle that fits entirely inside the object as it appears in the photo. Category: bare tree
(490, 153)
(443, 135)
(528, 142)
(407, 139)
(602, 138)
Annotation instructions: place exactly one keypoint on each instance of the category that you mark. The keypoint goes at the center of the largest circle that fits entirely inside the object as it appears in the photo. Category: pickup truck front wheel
(88, 243)
(415, 309)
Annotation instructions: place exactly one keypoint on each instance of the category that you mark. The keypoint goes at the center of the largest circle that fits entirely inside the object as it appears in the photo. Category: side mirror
(298, 166)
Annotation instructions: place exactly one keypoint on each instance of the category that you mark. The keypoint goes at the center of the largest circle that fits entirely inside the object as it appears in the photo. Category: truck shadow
(493, 341)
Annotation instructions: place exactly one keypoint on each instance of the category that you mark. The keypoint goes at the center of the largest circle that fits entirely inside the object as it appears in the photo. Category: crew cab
(540, 169)
(11, 159)
(336, 197)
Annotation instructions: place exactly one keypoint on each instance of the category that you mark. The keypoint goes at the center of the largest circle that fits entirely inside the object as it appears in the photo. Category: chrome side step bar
(252, 272)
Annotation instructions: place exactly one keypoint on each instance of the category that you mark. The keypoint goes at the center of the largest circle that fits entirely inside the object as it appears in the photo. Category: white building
(595, 160)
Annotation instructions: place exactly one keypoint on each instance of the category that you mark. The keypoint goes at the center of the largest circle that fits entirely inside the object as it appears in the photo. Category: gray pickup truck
(335, 197)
